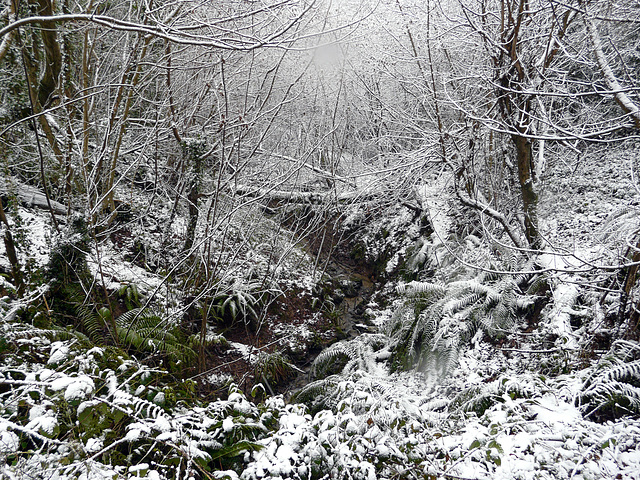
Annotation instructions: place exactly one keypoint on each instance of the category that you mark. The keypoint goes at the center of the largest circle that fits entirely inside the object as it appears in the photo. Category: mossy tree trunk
(10, 248)
(52, 64)
(193, 151)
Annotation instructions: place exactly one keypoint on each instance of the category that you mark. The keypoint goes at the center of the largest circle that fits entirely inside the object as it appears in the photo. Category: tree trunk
(10, 248)
(53, 56)
(192, 199)
(526, 179)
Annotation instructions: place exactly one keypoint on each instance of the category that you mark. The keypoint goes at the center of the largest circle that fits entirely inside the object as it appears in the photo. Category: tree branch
(610, 79)
(487, 210)
(173, 34)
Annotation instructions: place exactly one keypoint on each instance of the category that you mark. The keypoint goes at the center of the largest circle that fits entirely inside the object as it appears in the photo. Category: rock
(350, 287)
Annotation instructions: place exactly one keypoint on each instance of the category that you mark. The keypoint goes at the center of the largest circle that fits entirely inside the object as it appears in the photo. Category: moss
(358, 252)
(68, 260)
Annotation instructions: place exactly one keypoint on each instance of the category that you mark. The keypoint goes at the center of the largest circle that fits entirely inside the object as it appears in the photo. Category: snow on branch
(609, 77)
(181, 34)
(496, 215)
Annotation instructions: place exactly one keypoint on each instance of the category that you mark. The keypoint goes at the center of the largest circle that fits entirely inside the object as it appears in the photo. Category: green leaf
(236, 449)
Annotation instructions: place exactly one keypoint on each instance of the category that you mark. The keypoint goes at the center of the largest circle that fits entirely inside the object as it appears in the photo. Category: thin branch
(487, 210)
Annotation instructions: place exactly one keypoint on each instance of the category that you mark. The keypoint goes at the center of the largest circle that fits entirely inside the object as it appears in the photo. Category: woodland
(319, 239)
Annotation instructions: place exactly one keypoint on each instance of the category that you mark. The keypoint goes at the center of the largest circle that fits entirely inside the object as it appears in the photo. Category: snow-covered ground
(542, 400)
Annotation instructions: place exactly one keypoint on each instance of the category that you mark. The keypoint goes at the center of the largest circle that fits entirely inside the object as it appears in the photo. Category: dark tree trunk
(10, 248)
(53, 56)
(527, 188)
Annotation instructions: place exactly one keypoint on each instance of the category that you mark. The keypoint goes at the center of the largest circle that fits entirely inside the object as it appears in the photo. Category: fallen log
(29, 196)
(282, 197)
(290, 196)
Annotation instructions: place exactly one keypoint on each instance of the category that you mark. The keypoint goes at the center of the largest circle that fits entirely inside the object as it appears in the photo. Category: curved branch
(627, 105)
(496, 215)
(171, 34)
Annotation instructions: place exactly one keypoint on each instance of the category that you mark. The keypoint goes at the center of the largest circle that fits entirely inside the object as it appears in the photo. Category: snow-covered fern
(479, 398)
(435, 321)
(613, 387)
(342, 362)
(350, 355)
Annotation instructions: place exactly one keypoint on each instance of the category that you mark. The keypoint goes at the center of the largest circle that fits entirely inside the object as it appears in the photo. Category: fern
(621, 223)
(53, 334)
(350, 356)
(613, 387)
(144, 330)
(318, 395)
(89, 321)
(479, 398)
(342, 362)
(436, 321)
(421, 289)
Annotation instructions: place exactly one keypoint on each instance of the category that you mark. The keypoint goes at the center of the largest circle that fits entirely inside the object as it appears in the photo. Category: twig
(551, 350)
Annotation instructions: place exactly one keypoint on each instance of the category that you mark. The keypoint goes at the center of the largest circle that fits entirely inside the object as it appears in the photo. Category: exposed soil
(298, 324)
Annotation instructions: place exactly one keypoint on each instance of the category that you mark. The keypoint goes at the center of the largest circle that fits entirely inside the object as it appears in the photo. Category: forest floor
(554, 395)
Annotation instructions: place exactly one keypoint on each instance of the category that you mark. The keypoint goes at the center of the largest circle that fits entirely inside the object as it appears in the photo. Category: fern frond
(139, 316)
(459, 303)
(613, 387)
(317, 394)
(627, 372)
(421, 288)
(617, 397)
(235, 449)
(144, 330)
(91, 323)
(479, 398)
(53, 334)
(474, 399)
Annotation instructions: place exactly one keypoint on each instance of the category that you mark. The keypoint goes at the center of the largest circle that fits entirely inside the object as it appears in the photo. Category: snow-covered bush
(376, 430)
(79, 410)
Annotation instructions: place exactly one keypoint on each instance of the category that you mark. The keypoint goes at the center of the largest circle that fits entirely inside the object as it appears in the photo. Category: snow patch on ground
(109, 266)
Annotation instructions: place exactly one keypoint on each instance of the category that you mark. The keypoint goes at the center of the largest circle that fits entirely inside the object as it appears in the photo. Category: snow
(76, 388)
(552, 410)
(45, 423)
(116, 271)
(564, 298)
(59, 353)
(9, 441)
(248, 352)
(225, 474)
(138, 468)
(227, 424)
(94, 445)
(35, 227)
(434, 195)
